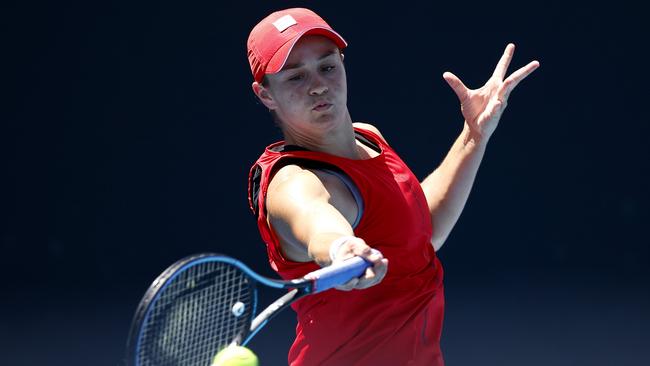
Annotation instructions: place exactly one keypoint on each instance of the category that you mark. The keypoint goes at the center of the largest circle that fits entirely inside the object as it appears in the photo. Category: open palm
(482, 108)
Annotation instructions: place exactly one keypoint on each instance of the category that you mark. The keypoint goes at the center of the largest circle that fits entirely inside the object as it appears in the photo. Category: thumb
(456, 85)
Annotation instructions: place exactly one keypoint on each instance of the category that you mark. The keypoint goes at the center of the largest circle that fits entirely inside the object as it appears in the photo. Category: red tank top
(398, 321)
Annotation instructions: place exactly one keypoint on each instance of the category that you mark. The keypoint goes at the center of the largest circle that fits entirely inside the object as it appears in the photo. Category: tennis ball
(235, 356)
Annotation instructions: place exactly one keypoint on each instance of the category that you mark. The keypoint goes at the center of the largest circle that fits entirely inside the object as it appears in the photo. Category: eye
(328, 68)
(296, 77)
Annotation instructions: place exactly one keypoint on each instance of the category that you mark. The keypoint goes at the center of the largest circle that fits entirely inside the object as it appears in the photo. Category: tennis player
(333, 189)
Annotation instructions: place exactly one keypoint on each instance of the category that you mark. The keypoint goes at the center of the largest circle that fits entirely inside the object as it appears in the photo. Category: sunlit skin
(482, 108)
(309, 95)
(308, 209)
(448, 187)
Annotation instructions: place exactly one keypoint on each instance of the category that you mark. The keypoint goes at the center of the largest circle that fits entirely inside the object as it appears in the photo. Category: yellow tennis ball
(235, 356)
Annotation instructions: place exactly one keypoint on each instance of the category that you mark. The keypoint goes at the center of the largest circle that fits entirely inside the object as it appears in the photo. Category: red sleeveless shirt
(398, 321)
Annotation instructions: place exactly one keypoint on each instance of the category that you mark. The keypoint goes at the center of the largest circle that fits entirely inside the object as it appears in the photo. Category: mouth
(322, 106)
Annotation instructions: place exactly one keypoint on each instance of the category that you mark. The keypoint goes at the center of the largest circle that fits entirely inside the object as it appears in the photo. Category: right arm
(308, 211)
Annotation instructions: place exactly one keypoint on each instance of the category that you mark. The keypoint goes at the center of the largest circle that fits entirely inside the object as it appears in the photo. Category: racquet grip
(338, 274)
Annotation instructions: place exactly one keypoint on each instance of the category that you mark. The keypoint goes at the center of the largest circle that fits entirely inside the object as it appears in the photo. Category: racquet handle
(338, 273)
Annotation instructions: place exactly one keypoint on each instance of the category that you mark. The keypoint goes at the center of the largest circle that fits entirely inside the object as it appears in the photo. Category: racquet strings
(192, 317)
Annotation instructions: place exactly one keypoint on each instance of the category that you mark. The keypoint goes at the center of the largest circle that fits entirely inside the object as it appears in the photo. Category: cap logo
(285, 22)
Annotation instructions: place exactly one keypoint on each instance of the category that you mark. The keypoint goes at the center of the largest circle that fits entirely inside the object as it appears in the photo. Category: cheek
(341, 88)
(339, 81)
(291, 103)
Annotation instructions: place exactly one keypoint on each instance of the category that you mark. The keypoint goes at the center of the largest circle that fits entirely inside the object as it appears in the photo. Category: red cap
(272, 39)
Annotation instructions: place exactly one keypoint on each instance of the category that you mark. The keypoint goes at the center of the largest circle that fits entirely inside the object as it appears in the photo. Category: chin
(328, 118)
(330, 115)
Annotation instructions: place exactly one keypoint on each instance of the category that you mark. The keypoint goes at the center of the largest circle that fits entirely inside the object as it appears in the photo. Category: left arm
(448, 187)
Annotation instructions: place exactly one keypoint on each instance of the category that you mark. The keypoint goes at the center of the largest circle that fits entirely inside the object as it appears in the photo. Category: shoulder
(292, 186)
(369, 127)
(294, 189)
(293, 178)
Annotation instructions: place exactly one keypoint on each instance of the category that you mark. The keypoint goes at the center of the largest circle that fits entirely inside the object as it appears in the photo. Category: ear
(263, 95)
(342, 57)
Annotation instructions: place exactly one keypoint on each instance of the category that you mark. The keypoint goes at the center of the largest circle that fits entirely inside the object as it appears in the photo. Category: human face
(310, 91)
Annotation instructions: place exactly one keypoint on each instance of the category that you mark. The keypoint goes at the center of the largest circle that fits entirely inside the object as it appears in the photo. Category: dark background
(128, 130)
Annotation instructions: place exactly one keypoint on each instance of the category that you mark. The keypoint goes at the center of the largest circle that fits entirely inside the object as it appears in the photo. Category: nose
(318, 87)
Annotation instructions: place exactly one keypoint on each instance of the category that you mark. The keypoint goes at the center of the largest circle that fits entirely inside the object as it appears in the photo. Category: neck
(339, 141)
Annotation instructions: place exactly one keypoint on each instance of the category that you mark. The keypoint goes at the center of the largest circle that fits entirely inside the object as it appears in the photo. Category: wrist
(473, 139)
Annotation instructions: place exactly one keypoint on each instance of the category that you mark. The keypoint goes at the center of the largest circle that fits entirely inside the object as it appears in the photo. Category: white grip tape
(336, 245)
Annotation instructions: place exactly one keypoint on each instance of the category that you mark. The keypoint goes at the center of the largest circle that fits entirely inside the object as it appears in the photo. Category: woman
(335, 189)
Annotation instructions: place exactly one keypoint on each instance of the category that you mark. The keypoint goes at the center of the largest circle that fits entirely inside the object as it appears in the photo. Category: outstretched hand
(373, 275)
(482, 108)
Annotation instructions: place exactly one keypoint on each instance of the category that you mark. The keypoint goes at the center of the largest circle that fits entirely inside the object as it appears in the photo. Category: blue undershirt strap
(352, 188)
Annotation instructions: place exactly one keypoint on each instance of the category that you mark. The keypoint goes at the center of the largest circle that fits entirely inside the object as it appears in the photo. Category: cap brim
(276, 63)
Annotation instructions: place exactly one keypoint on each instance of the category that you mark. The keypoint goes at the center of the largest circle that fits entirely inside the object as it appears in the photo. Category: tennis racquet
(206, 302)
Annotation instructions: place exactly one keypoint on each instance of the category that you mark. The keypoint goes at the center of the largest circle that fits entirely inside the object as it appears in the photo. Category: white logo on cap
(284, 23)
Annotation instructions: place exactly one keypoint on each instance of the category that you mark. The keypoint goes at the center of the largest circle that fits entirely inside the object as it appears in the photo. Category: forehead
(310, 47)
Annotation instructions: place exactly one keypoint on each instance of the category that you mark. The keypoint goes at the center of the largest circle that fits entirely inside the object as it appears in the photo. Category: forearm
(319, 246)
(308, 231)
(448, 187)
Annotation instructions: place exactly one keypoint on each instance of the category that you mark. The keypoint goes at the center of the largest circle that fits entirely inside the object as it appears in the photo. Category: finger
(369, 279)
(502, 67)
(381, 269)
(358, 247)
(456, 85)
(350, 285)
(374, 275)
(523, 72)
(349, 248)
(361, 249)
(515, 78)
